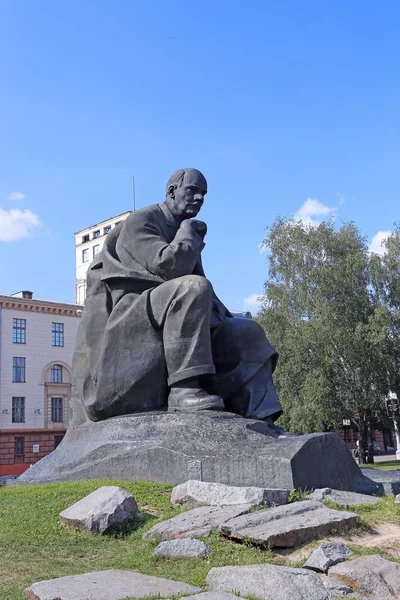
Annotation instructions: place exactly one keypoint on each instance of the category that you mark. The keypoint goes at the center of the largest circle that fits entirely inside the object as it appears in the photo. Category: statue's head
(186, 189)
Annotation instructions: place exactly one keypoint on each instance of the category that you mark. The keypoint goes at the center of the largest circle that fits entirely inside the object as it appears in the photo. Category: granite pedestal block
(208, 446)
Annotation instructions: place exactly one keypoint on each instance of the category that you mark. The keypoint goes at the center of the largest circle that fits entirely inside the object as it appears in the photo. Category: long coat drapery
(119, 365)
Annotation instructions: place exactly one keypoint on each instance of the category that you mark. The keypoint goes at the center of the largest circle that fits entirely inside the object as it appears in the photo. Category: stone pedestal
(208, 446)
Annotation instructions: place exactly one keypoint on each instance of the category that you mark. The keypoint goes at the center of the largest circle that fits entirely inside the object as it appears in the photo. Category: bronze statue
(153, 334)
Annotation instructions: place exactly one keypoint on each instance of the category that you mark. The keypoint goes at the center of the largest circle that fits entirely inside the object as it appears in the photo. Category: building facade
(88, 243)
(37, 340)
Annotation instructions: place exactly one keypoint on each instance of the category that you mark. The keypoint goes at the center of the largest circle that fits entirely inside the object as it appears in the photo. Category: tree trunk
(363, 441)
(370, 453)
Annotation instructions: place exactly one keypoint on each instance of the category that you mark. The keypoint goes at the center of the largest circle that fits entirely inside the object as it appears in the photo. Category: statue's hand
(199, 226)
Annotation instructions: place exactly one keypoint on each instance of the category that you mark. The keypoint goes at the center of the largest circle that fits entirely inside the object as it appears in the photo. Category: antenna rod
(134, 193)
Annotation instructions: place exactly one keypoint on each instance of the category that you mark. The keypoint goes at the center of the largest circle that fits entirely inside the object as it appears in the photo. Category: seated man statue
(153, 334)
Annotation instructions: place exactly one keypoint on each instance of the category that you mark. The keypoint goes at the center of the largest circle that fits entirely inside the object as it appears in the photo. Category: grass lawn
(34, 546)
(390, 465)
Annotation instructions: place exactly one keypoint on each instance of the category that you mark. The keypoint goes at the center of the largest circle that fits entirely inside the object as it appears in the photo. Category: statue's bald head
(178, 176)
(186, 189)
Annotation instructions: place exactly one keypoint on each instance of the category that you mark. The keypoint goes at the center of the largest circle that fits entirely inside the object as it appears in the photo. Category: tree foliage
(331, 308)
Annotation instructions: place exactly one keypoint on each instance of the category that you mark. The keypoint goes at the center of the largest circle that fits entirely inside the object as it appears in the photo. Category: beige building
(88, 243)
(37, 339)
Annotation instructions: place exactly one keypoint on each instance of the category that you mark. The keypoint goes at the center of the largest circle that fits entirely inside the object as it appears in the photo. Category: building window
(117, 223)
(85, 255)
(85, 239)
(57, 410)
(57, 334)
(107, 229)
(56, 374)
(96, 234)
(19, 449)
(18, 375)
(57, 440)
(19, 328)
(18, 410)
(96, 250)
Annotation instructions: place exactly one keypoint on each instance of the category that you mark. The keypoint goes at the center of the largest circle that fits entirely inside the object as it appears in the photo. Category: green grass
(390, 465)
(34, 546)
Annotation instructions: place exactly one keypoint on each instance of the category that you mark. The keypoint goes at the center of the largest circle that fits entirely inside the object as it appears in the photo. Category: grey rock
(194, 492)
(397, 500)
(289, 525)
(198, 522)
(388, 480)
(337, 589)
(182, 547)
(109, 508)
(212, 596)
(327, 555)
(268, 582)
(107, 585)
(343, 498)
(208, 446)
(370, 575)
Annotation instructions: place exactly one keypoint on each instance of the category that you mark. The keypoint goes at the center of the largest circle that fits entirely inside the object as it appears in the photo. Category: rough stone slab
(209, 446)
(327, 555)
(194, 492)
(336, 589)
(107, 585)
(109, 508)
(289, 525)
(388, 480)
(198, 522)
(213, 596)
(343, 498)
(370, 575)
(186, 547)
(268, 582)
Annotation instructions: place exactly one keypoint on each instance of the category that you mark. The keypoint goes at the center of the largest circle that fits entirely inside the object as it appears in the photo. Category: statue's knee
(196, 285)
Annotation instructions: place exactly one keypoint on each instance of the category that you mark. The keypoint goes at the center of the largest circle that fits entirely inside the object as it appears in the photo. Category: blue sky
(276, 102)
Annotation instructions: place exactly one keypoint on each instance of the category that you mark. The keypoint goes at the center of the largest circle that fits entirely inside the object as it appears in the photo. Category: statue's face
(189, 197)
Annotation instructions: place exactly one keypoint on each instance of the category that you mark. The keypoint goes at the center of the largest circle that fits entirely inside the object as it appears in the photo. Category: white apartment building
(88, 243)
(37, 339)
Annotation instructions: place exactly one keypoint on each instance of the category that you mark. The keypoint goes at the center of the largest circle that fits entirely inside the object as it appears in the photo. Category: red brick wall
(11, 465)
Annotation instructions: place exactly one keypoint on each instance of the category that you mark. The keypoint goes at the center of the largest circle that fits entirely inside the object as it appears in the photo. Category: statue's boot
(187, 396)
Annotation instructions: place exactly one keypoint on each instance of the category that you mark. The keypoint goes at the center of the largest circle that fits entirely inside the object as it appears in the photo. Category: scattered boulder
(389, 481)
(194, 492)
(289, 525)
(327, 555)
(183, 547)
(198, 522)
(107, 585)
(336, 589)
(343, 498)
(370, 575)
(268, 582)
(109, 508)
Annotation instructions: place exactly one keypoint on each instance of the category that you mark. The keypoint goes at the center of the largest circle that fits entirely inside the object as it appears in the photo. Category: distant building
(88, 243)
(37, 339)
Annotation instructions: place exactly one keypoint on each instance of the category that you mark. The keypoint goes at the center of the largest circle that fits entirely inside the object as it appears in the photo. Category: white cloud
(252, 303)
(16, 224)
(16, 196)
(310, 209)
(376, 246)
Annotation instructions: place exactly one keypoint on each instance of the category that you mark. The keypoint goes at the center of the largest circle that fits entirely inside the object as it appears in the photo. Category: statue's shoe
(193, 399)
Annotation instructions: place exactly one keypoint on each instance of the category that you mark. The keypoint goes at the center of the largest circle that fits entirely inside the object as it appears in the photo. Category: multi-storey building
(37, 339)
(88, 243)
